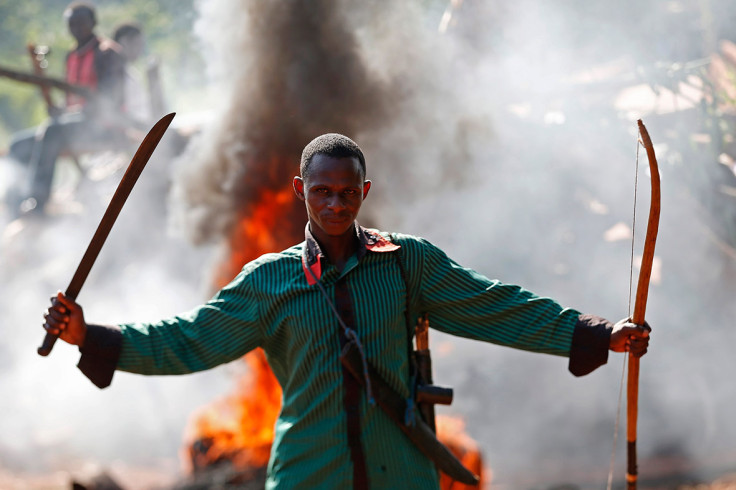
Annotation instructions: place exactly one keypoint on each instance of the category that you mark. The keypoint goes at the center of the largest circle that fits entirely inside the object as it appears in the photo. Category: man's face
(132, 45)
(81, 24)
(333, 192)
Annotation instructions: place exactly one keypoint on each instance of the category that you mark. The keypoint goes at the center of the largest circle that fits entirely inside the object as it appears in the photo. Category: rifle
(395, 406)
(44, 81)
(427, 394)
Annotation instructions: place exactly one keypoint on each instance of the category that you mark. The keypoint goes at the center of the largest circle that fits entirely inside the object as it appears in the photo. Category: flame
(267, 225)
(238, 428)
(451, 431)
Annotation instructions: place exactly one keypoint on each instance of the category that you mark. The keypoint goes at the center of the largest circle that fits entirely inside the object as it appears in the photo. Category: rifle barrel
(44, 81)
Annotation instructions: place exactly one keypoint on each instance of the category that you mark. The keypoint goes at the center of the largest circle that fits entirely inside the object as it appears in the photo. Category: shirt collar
(313, 258)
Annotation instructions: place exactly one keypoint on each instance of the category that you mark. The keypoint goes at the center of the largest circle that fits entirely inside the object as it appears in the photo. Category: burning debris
(237, 430)
(451, 431)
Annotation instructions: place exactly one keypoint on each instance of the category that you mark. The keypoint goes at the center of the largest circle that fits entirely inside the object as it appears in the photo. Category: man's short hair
(125, 30)
(333, 145)
(83, 7)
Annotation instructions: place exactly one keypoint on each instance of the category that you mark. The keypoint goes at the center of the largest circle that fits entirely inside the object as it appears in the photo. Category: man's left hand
(630, 337)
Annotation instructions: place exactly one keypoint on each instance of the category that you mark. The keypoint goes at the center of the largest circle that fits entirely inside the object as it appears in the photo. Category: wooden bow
(640, 306)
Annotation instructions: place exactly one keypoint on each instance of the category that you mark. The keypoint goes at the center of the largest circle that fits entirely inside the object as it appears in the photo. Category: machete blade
(139, 161)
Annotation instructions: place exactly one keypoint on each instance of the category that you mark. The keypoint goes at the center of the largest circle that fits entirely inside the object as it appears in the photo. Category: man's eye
(350, 192)
(321, 191)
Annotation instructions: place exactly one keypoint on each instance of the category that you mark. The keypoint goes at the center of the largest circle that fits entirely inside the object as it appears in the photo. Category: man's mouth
(337, 219)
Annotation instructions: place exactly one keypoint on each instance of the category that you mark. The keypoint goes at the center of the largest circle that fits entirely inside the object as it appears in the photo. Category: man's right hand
(65, 318)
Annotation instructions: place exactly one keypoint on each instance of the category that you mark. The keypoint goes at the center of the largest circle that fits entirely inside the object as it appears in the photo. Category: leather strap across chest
(353, 390)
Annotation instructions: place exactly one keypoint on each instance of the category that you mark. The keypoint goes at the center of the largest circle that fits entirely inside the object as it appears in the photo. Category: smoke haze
(509, 140)
(288, 72)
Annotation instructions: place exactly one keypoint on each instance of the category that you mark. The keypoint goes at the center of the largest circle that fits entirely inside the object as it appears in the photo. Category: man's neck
(85, 42)
(337, 249)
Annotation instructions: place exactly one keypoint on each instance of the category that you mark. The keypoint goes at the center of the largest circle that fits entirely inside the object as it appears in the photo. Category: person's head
(81, 19)
(332, 145)
(332, 183)
(130, 38)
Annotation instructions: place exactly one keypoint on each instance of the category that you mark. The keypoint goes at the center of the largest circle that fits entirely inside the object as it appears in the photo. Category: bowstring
(633, 224)
(631, 282)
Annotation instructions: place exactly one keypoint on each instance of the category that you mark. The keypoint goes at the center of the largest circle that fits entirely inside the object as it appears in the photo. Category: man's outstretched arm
(223, 329)
(465, 303)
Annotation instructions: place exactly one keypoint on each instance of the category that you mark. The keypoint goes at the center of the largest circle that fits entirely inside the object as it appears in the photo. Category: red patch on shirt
(316, 268)
(380, 244)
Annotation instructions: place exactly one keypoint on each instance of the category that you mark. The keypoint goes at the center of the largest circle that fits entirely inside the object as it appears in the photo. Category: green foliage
(167, 25)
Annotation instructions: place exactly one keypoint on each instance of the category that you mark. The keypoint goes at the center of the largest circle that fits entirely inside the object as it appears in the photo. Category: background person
(97, 64)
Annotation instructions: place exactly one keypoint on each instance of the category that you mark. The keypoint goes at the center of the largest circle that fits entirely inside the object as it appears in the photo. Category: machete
(129, 179)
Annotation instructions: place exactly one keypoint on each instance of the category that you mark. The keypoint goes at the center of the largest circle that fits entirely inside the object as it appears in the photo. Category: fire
(238, 428)
(451, 431)
(267, 225)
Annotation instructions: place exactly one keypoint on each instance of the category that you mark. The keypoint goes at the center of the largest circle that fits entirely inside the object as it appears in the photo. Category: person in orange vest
(97, 64)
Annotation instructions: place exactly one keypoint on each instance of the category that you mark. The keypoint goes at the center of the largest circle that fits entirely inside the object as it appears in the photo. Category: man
(97, 64)
(130, 39)
(143, 102)
(293, 303)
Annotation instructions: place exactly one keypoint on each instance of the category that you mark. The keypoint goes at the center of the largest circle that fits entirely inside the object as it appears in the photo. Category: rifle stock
(394, 405)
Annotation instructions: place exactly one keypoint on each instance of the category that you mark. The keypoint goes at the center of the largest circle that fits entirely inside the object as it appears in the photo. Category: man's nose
(335, 202)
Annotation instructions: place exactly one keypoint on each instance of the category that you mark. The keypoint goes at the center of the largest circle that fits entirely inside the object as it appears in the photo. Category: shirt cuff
(100, 353)
(590, 341)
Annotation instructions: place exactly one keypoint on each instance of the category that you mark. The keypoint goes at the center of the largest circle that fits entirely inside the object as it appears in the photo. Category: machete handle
(49, 340)
(48, 343)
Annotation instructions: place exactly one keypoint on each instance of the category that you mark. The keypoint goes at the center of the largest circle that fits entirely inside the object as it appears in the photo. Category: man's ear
(366, 188)
(298, 184)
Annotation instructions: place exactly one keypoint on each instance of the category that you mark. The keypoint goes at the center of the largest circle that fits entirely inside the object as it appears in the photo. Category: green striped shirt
(270, 304)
